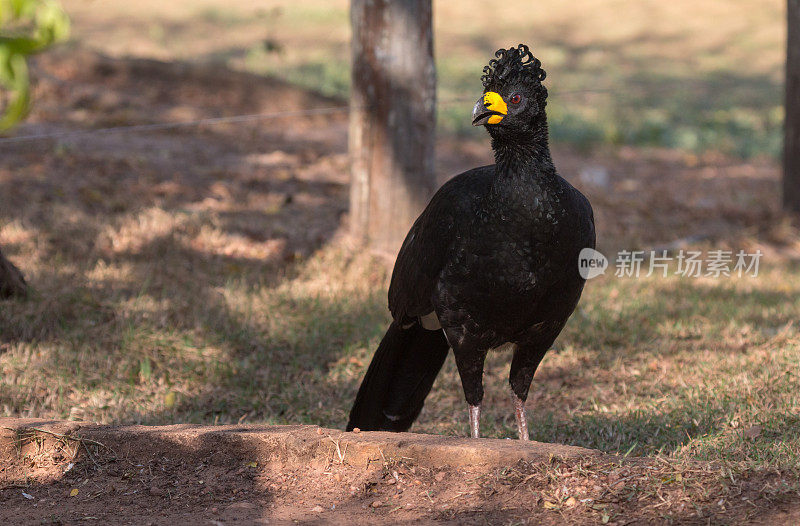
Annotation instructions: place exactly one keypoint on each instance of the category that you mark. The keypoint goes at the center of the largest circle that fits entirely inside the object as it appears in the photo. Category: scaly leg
(470, 368)
(475, 420)
(523, 366)
(522, 421)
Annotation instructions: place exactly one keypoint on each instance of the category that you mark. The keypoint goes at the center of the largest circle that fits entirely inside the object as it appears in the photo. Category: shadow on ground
(202, 262)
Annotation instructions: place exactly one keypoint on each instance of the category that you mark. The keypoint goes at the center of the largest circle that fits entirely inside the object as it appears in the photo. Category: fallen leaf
(753, 432)
(156, 491)
(549, 505)
(252, 464)
(169, 399)
(572, 501)
(74, 492)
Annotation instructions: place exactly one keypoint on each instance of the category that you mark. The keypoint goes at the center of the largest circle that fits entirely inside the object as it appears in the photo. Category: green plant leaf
(26, 27)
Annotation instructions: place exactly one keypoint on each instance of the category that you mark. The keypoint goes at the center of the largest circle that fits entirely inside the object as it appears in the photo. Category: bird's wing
(586, 228)
(427, 245)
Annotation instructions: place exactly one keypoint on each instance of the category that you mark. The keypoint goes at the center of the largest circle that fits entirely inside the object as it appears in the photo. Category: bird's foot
(474, 420)
(522, 421)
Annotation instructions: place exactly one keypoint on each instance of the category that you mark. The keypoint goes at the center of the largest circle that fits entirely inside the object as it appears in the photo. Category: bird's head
(514, 98)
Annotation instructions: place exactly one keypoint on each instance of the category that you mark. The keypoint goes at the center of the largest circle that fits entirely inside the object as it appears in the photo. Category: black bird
(492, 263)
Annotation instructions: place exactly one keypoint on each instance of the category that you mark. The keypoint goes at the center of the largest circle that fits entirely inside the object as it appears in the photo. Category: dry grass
(190, 277)
(628, 491)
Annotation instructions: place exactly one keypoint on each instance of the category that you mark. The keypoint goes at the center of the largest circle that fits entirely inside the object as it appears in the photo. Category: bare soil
(77, 473)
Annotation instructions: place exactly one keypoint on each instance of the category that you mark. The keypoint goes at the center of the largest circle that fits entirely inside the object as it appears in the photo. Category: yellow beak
(490, 109)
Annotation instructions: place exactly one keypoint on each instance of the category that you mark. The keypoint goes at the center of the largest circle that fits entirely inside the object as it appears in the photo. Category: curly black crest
(511, 65)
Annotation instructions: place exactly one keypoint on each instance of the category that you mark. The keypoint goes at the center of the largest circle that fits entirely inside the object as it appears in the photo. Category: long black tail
(398, 379)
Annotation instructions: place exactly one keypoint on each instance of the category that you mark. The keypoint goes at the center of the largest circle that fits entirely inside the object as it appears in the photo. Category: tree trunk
(791, 153)
(11, 281)
(392, 118)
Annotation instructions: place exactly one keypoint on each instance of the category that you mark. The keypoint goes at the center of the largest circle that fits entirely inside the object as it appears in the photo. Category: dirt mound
(71, 472)
(77, 473)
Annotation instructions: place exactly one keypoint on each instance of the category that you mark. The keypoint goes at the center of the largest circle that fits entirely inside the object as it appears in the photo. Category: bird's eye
(516, 98)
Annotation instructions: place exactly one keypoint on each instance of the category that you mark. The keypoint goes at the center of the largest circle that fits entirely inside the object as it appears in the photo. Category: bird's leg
(475, 420)
(469, 361)
(522, 421)
(523, 365)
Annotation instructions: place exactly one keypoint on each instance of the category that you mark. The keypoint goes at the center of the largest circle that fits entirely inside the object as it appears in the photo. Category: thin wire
(254, 117)
(555, 93)
(168, 125)
(199, 122)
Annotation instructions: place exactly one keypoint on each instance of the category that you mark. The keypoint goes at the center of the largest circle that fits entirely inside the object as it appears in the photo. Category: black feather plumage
(494, 258)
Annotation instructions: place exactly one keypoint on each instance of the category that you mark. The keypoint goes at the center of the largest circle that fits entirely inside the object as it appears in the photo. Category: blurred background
(635, 73)
(183, 269)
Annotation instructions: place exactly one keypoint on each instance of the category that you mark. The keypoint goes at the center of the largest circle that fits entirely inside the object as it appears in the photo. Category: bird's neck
(524, 155)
